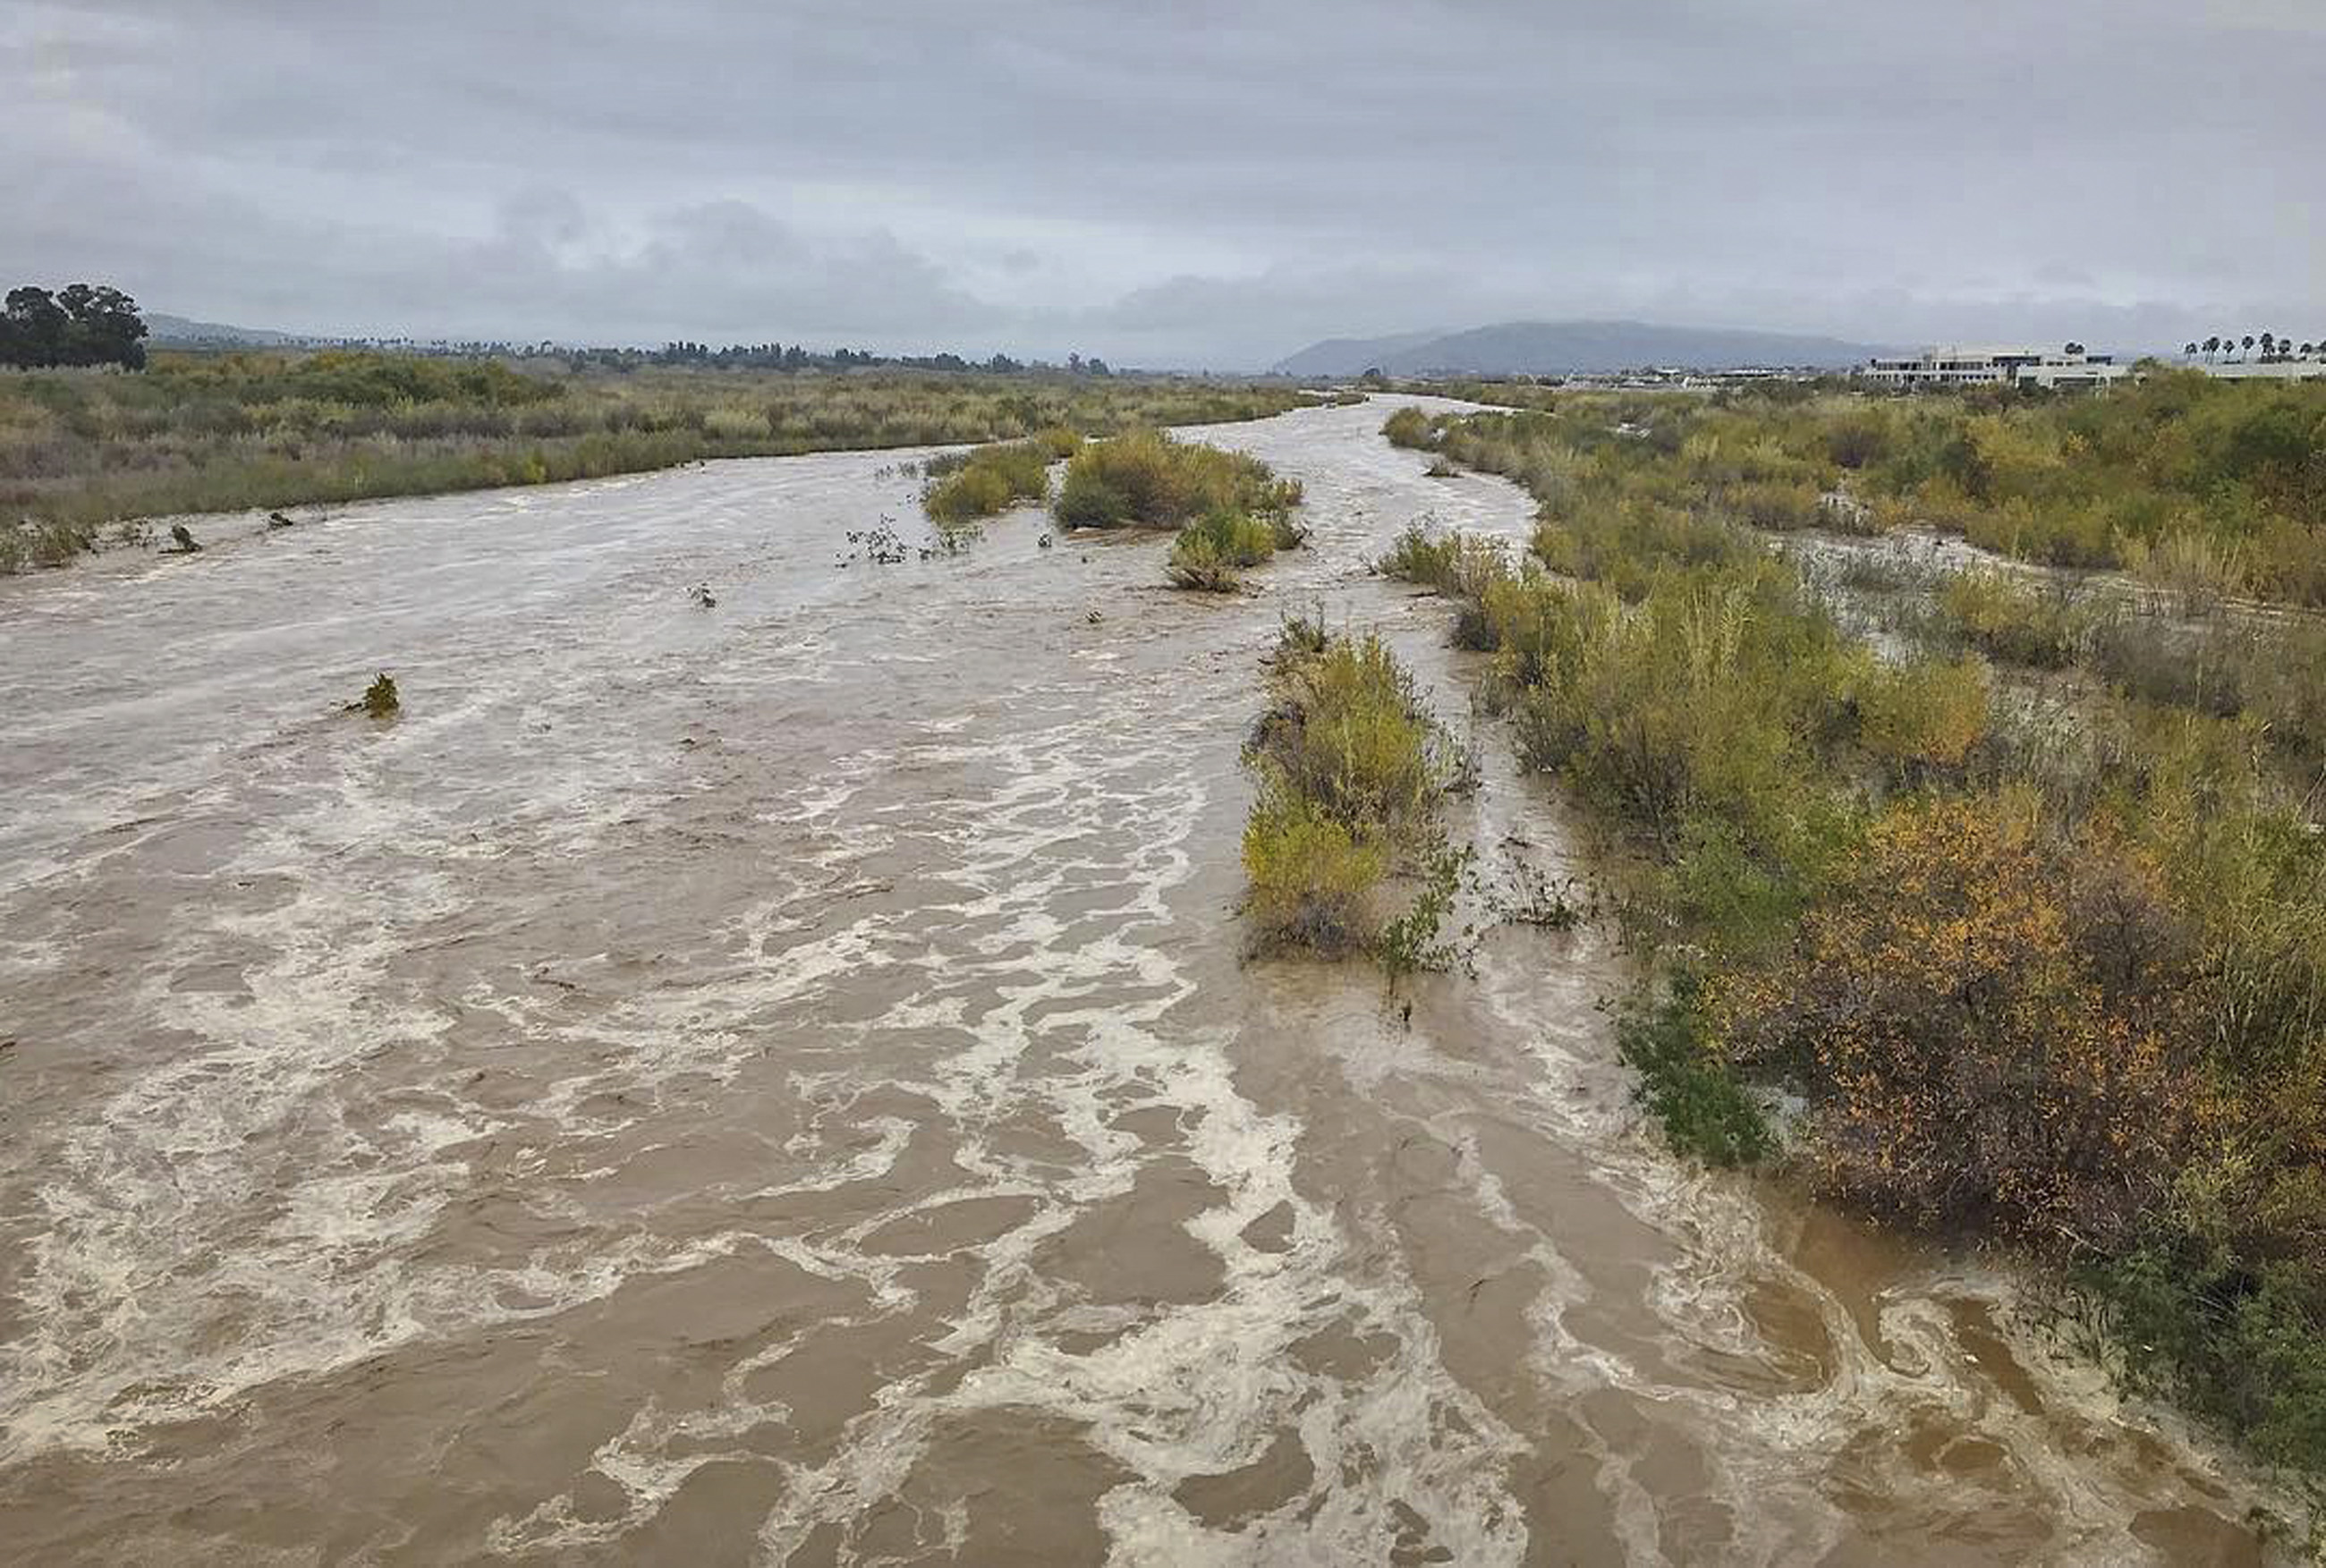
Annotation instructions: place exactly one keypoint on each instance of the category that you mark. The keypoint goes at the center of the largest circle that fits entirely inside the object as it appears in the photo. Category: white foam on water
(236, 1213)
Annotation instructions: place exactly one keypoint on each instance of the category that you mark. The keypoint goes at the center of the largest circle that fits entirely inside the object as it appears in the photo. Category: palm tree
(2212, 345)
(2249, 345)
(2188, 351)
(2268, 345)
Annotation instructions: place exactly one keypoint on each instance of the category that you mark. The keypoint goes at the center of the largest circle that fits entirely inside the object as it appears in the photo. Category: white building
(2267, 369)
(2021, 366)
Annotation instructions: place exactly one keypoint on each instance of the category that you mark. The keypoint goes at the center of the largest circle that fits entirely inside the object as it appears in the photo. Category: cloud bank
(1199, 184)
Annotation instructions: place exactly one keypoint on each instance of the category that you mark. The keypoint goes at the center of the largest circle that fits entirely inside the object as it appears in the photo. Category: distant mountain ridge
(1570, 348)
(166, 329)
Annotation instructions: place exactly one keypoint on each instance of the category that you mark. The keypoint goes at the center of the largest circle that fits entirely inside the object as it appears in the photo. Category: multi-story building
(1958, 366)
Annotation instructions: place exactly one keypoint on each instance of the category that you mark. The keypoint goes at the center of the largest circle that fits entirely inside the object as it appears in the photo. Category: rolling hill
(1568, 347)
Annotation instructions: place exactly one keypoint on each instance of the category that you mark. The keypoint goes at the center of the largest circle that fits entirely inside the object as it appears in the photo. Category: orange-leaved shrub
(1988, 1022)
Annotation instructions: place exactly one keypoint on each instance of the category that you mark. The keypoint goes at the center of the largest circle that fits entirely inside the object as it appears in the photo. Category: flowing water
(777, 1082)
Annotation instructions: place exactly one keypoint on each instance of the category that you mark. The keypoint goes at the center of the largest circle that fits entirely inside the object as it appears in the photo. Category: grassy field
(82, 449)
(2027, 899)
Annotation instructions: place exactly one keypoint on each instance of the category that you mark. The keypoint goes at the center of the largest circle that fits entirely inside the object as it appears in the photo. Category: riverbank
(90, 457)
(2045, 959)
(786, 1077)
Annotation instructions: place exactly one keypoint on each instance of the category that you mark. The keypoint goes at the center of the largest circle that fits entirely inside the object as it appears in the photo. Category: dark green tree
(32, 328)
(80, 324)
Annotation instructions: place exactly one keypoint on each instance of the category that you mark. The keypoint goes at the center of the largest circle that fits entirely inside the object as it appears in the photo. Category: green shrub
(1776, 505)
(2014, 620)
(1702, 1106)
(1312, 878)
(1351, 770)
(380, 699)
(1208, 552)
(1410, 427)
(1147, 479)
(988, 481)
(1924, 717)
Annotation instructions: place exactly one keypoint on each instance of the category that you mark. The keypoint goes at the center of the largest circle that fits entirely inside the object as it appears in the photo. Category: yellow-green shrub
(1925, 715)
(1146, 478)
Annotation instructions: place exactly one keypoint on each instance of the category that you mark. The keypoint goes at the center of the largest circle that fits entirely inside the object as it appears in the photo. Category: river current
(781, 1082)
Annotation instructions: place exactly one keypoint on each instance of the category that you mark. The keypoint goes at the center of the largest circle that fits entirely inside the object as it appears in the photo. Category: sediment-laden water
(778, 1083)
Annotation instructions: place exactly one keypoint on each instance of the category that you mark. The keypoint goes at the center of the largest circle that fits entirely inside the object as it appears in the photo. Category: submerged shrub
(1351, 769)
(1312, 878)
(1145, 477)
(27, 545)
(1410, 427)
(1702, 1106)
(1208, 552)
(380, 699)
(989, 481)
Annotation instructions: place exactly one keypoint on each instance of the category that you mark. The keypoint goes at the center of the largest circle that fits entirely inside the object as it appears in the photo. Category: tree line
(2275, 347)
(799, 357)
(79, 324)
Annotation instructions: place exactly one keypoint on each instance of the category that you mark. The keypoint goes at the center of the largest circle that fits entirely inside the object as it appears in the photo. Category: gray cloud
(1190, 184)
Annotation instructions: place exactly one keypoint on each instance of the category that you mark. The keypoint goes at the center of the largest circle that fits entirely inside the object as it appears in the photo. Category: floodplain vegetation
(969, 486)
(2022, 900)
(84, 451)
(1350, 770)
(1231, 511)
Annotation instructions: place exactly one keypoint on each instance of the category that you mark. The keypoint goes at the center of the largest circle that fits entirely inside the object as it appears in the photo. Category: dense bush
(1410, 427)
(1144, 478)
(993, 479)
(1992, 1025)
(2014, 619)
(1923, 718)
(1350, 769)
(1209, 552)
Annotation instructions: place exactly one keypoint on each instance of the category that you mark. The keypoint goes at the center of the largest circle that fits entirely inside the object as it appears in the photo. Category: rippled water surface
(778, 1083)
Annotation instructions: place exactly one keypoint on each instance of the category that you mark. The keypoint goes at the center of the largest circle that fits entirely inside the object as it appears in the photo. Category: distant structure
(2017, 366)
(2267, 370)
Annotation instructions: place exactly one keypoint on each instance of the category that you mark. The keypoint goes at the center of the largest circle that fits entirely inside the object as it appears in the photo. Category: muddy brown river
(778, 1083)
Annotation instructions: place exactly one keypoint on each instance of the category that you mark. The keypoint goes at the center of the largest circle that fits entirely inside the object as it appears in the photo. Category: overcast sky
(1174, 183)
